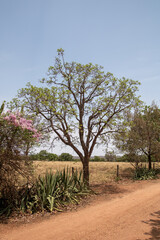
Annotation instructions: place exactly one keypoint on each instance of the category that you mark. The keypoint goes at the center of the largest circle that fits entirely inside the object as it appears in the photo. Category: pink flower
(16, 123)
(7, 118)
(17, 120)
(29, 121)
(12, 116)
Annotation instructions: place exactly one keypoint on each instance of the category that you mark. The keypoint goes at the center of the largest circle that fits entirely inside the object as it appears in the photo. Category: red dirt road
(128, 216)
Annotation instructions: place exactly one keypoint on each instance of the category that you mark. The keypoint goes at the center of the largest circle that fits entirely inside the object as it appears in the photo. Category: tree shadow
(154, 222)
(107, 189)
(3, 220)
(127, 173)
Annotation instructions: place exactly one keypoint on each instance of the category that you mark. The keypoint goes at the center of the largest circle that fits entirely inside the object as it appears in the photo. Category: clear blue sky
(121, 35)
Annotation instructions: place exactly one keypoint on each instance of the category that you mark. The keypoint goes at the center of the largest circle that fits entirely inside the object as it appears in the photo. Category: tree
(65, 157)
(53, 157)
(143, 136)
(80, 104)
(16, 132)
(110, 156)
(43, 155)
(30, 145)
(97, 159)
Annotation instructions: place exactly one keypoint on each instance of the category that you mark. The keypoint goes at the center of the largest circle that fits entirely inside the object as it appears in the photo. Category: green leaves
(60, 51)
(52, 191)
(141, 136)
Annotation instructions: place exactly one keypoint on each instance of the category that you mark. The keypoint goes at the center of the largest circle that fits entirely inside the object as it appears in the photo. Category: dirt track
(128, 216)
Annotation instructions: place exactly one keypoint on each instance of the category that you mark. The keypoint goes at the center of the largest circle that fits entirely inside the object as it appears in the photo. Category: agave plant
(53, 190)
(50, 192)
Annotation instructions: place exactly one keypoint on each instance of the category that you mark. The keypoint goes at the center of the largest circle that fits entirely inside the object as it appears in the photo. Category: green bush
(110, 156)
(65, 157)
(123, 158)
(34, 157)
(43, 155)
(97, 159)
(144, 173)
(52, 157)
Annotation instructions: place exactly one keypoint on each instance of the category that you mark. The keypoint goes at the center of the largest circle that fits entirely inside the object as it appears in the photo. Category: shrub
(110, 156)
(145, 173)
(65, 157)
(17, 133)
(43, 155)
(97, 159)
(53, 157)
(34, 156)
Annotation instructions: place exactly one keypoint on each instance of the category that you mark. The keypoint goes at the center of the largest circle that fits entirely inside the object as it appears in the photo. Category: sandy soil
(126, 211)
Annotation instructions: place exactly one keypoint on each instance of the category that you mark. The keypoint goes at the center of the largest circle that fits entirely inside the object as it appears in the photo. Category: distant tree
(53, 157)
(65, 157)
(43, 155)
(82, 105)
(97, 159)
(110, 156)
(143, 137)
(34, 156)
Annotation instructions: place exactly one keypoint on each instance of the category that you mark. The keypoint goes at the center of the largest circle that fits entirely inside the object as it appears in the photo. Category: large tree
(143, 136)
(80, 104)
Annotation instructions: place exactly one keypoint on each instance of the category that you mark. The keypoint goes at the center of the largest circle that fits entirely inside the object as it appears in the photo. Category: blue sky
(121, 35)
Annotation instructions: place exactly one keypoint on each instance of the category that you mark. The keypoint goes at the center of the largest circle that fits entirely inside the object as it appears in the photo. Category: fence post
(72, 171)
(153, 165)
(117, 171)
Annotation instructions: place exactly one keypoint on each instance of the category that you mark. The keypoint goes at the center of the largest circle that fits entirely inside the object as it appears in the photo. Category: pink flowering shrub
(17, 137)
(18, 121)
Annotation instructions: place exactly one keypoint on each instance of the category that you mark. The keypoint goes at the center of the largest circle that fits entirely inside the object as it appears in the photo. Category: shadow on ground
(127, 173)
(154, 222)
(3, 220)
(107, 189)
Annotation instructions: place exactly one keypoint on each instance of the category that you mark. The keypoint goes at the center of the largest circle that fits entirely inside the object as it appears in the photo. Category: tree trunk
(149, 162)
(27, 150)
(86, 171)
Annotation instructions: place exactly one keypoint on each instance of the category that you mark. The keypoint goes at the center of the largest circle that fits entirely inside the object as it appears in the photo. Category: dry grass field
(100, 172)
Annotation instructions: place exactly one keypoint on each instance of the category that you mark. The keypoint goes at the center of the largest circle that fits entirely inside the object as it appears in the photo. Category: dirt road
(128, 216)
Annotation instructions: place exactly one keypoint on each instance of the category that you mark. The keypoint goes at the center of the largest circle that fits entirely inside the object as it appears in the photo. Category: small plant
(117, 179)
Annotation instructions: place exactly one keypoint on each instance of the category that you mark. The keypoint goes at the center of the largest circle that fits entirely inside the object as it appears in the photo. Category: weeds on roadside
(142, 173)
